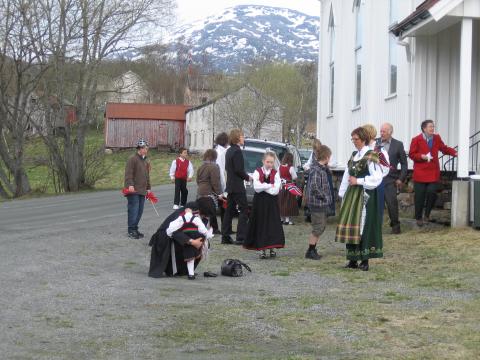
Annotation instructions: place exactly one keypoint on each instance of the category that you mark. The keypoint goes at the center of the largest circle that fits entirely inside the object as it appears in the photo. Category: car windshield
(304, 155)
(252, 160)
(278, 149)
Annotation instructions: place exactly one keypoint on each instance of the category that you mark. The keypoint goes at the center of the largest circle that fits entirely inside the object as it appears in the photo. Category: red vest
(285, 172)
(271, 179)
(181, 171)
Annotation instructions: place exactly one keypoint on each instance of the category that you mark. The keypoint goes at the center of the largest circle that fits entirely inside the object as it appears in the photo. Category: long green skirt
(369, 244)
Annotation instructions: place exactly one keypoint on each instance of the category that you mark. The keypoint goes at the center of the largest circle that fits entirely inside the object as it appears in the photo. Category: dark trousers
(135, 210)
(222, 216)
(390, 191)
(181, 192)
(233, 200)
(425, 197)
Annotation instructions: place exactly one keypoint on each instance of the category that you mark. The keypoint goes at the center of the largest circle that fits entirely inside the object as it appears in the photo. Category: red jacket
(427, 171)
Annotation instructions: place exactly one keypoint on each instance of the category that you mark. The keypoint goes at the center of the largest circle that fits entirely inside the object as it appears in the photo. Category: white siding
(427, 87)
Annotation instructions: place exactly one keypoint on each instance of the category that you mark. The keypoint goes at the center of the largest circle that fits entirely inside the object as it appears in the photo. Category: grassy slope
(41, 178)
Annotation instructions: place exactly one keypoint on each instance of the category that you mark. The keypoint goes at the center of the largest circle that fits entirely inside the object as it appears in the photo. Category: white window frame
(357, 7)
(331, 64)
(392, 76)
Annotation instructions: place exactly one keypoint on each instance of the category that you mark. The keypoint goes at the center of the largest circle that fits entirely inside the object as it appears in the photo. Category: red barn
(161, 125)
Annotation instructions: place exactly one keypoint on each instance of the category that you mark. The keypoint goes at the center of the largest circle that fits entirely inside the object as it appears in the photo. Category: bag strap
(244, 265)
(239, 262)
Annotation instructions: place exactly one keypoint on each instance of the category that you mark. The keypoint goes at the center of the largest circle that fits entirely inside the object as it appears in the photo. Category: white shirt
(369, 182)
(173, 167)
(178, 223)
(268, 188)
(221, 151)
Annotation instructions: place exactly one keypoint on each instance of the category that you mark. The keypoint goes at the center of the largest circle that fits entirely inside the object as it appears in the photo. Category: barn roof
(145, 111)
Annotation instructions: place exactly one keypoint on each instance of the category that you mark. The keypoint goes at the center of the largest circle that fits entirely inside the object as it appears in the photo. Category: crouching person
(319, 198)
(181, 242)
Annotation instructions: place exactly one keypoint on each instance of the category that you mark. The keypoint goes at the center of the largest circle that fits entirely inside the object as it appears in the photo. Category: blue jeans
(135, 210)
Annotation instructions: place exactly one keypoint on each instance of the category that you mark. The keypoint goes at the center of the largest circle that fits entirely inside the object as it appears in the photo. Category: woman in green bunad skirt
(360, 226)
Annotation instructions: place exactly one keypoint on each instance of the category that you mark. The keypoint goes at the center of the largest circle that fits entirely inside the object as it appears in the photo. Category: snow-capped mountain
(247, 32)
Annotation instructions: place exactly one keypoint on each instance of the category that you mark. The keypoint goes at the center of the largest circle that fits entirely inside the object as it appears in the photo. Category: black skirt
(265, 227)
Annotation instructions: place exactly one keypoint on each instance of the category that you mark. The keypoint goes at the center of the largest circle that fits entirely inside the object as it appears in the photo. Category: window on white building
(195, 139)
(331, 29)
(358, 51)
(392, 50)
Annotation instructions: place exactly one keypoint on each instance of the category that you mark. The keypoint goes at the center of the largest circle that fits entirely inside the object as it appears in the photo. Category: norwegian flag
(126, 192)
(293, 189)
(151, 197)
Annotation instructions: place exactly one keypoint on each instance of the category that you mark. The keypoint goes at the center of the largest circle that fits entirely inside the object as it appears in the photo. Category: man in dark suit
(237, 195)
(395, 178)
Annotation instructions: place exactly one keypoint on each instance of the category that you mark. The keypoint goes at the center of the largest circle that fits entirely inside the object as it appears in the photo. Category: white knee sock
(287, 219)
(191, 267)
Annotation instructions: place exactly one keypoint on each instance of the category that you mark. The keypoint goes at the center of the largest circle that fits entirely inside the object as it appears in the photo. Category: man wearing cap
(137, 181)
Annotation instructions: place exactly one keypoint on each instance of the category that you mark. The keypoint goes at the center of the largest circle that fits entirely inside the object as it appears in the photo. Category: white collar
(265, 171)
(363, 151)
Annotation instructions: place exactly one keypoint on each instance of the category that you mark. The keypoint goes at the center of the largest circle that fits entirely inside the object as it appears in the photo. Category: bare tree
(20, 73)
(250, 110)
(80, 35)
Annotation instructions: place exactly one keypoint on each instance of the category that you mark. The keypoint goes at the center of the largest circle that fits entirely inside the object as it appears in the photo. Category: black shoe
(352, 265)
(363, 265)
(396, 229)
(263, 255)
(272, 253)
(217, 232)
(209, 274)
(312, 254)
(227, 239)
(191, 277)
(140, 235)
(238, 242)
(133, 235)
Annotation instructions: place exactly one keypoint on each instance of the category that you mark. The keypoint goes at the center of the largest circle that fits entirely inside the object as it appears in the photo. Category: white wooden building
(239, 109)
(400, 61)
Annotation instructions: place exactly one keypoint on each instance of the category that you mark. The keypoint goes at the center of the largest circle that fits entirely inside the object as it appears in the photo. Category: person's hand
(196, 243)
(399, 183)
(189, 179)
(425, 157)
(352, 180)
(250, 178)
(173, 180)
(131, 189)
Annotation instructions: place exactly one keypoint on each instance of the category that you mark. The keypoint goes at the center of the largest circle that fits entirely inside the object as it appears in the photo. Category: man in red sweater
(424, 150)
(181, 171)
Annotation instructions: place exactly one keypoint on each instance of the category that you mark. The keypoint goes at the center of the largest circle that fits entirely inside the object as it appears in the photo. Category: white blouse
(369, 182)
(178, 223)
(221, 151)
(268, 188)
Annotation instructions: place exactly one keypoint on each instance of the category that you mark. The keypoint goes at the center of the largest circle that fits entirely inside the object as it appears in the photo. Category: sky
(191, 10)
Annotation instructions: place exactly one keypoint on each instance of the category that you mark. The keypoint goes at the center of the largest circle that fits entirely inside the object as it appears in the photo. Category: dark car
(252, 158)
(304, 155)
(279, 149)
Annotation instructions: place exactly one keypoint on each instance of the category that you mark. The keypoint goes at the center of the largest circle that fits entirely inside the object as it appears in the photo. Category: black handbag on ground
(233, 267)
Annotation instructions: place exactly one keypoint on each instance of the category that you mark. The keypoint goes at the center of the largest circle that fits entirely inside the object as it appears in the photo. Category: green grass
(408, 306)
(41, 178)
